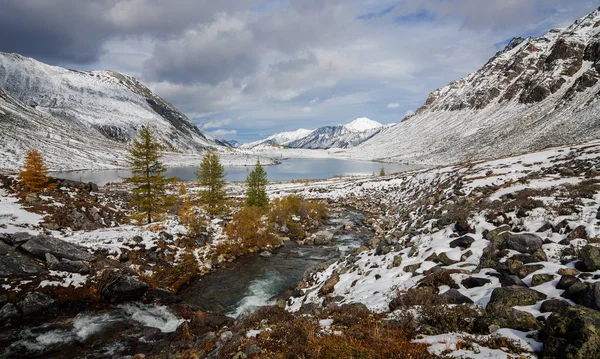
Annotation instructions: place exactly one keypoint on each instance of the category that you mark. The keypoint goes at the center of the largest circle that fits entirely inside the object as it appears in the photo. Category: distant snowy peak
(285, 138)
(362, 124)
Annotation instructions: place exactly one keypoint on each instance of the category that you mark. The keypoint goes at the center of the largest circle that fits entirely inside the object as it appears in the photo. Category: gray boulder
(566, 281)
(35, 302)
(8, 311)
(323, 238)
(120, 288)
(14, 264)
(15, 239)
(462, 242)
(453, 296)
(38, 246)
(524, 242)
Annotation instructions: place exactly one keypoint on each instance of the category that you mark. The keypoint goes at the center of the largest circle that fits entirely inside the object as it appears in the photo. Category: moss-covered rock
(538, 279)
(515, 296)
(572, 334)
(443, 257)
(591, 257)
(498, 236)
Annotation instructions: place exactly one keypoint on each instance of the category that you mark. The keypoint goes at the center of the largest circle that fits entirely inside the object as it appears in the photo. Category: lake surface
(287, 170)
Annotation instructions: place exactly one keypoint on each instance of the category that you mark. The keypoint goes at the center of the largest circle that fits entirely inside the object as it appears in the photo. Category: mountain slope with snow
(103, 108)
(341, 136)
(537, 92)
(283, 138)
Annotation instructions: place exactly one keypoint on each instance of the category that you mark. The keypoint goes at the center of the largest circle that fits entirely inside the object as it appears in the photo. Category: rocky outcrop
(14, 264)
(119, 288)
(38, 246)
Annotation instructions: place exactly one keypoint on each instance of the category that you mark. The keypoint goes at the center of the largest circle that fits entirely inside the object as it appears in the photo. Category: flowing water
(252, 281)
(287, 170)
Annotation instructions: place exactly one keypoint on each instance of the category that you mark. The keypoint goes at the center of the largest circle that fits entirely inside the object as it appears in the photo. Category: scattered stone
(38, 246)
(35, 302)
(554, 305)
(538, 279)
(252, 350)
(507, 317)
(15, 239)
(572, 334)
(473, 282)
(203, 323)
(412, 268)
(524, 242)
(568, 271)
(463, 242)
(397, 261)
(566, 281)
(574, 291)
(591, 257)
(453, 296)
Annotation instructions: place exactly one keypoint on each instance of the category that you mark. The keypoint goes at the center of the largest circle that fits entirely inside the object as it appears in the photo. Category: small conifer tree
(382, 171)
(212, 176)
(256, 187)
(34, 173)
(147, 176)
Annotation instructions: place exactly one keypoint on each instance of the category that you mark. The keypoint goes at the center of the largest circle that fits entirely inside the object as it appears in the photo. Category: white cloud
(307, 109)
(393, 105)
(217, 123)
(222, 133)
(313, 101)
(409, 113)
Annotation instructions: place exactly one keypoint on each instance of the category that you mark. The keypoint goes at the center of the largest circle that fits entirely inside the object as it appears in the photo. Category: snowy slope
(538, 92)
(102, 108)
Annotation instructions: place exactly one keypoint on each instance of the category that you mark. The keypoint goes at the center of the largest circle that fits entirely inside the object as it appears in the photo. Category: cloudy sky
(246, 69)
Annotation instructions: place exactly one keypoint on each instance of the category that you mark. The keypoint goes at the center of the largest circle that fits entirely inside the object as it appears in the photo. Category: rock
(203, 323)
(120, 287)
(572, 334)
(498, 236)
(51, 260)
(226, 337)
(507, 317)
(35, 302)
(554, 305)
(566, 281)
(412, 268)
(383, 249)
(15, 239)
(511, 280)
(164, 236)
(591, 257)
(14, 264)
(462, 242)
(397, 261)
(579, 232)
(252, 350)
(240, 355)
(443, 257)
(538, 279)
(323, 238)
(8, 311)
(568, 271)
(574, 291)
(524, 242)
(329, 284)
(38, 246)
(515, 296)
(537, 256)
(473, 282)
(137, 239)
(453, 296)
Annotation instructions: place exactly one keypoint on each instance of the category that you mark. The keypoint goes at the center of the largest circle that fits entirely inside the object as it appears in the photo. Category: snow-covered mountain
(40, 103)
(283, 138)
(537, 92)
(341, 136)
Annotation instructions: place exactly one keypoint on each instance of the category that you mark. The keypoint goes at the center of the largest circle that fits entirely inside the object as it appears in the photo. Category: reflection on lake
(287, 170)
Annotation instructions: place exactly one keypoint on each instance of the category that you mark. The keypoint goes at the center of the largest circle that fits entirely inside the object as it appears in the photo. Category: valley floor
(492, 259)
